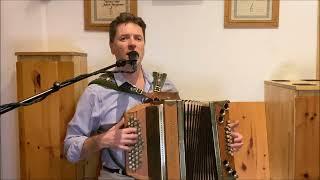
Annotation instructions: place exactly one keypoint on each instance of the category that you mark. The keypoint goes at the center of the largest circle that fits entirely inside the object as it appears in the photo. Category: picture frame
(98, 14)
(251, 13)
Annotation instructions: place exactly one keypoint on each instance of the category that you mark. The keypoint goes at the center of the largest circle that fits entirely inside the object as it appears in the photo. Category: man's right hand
(118, 137)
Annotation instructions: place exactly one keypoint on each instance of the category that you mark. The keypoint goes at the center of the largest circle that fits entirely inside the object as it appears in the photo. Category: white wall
(186, 39)
(23, 28)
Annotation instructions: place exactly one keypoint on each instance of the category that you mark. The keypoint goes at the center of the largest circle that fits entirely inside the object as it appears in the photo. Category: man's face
(129, 37)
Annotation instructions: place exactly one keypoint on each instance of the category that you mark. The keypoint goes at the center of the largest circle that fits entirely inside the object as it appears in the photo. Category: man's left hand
(237, 137)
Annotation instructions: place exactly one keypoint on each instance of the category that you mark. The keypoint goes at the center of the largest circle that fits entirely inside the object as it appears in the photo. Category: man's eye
(122, 38)
(139, 38)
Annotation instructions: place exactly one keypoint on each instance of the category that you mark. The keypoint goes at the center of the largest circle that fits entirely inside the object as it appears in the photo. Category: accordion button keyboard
(135, 154)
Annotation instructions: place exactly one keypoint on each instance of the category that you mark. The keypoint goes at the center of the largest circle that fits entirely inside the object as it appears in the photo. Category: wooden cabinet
(292, 111)
(42, 126)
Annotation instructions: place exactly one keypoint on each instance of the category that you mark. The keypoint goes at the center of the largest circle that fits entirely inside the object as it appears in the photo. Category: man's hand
(237, 137)
(116, 137)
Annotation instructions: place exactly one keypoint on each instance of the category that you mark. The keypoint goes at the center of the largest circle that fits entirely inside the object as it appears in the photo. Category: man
(102, 108)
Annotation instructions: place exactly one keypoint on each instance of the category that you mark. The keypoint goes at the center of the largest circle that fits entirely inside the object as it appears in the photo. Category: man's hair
(125, 18)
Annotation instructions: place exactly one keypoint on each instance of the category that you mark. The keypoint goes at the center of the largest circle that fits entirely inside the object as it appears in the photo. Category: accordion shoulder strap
(107, 80)
(158, 81)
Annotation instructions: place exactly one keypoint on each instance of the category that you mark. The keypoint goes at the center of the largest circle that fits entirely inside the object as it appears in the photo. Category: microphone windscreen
(133, 55)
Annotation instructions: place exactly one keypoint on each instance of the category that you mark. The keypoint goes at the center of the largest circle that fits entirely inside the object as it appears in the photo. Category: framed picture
(251, 13)
(98, 14)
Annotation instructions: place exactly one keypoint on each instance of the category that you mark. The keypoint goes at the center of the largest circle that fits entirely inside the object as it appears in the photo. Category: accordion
(180, 139)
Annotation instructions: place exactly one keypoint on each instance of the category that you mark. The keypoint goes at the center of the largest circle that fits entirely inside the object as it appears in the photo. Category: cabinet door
(307, 151)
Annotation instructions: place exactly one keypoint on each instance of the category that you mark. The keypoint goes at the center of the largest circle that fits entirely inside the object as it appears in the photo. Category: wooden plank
(307, 152)
(252, 160)
(43, 125)
(307, 85)
(37, 128)
(58, 53)
(279, 104)
(318, 45)
(69, 67)
(172, 140)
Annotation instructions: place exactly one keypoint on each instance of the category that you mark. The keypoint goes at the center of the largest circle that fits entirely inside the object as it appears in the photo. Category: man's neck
(135, 78)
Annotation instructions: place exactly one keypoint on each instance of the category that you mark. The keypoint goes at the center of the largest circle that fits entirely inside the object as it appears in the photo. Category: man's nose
(132, 43)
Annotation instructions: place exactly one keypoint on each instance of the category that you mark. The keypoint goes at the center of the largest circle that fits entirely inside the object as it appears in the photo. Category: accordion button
(234, 174)
(222, 112)
(226, 163)
(231, 153)
(229, 148)
(226, 106)
(221, 119)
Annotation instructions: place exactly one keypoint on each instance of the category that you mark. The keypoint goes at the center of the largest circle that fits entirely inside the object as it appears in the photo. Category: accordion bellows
(180, 139)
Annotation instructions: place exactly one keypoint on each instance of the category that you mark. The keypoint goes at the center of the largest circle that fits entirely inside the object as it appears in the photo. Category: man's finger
(237, 137)
(128, 142)
(234, 125)
(120, 124)
(131, 136)
(129, 130)
(236, 145)
(123, 147)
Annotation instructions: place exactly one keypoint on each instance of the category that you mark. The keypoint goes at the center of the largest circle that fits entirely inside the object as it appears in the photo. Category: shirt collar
(120, 79)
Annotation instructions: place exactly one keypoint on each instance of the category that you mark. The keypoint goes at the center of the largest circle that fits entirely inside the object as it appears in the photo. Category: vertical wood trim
(318, 44)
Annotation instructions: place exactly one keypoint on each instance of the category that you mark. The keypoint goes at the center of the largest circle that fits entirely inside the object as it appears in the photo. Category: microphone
(133, 58)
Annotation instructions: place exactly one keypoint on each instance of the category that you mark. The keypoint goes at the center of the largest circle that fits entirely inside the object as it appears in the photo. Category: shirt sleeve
(82, 124)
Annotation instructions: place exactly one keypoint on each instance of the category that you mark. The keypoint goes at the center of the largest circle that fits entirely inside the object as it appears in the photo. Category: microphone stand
(57, 86)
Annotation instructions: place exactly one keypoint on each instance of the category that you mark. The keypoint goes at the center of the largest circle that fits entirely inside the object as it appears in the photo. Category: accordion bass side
(180, 139)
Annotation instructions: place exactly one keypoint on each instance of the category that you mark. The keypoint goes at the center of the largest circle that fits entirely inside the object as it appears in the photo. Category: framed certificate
(98, 14)
(251, 13)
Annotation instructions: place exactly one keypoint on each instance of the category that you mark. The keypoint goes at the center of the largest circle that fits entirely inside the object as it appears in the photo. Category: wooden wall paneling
(252, 160)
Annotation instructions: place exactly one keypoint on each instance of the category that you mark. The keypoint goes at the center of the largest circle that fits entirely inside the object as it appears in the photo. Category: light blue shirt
(102, 108)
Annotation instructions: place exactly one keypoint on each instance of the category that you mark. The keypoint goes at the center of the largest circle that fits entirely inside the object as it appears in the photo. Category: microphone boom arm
(57, 86)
